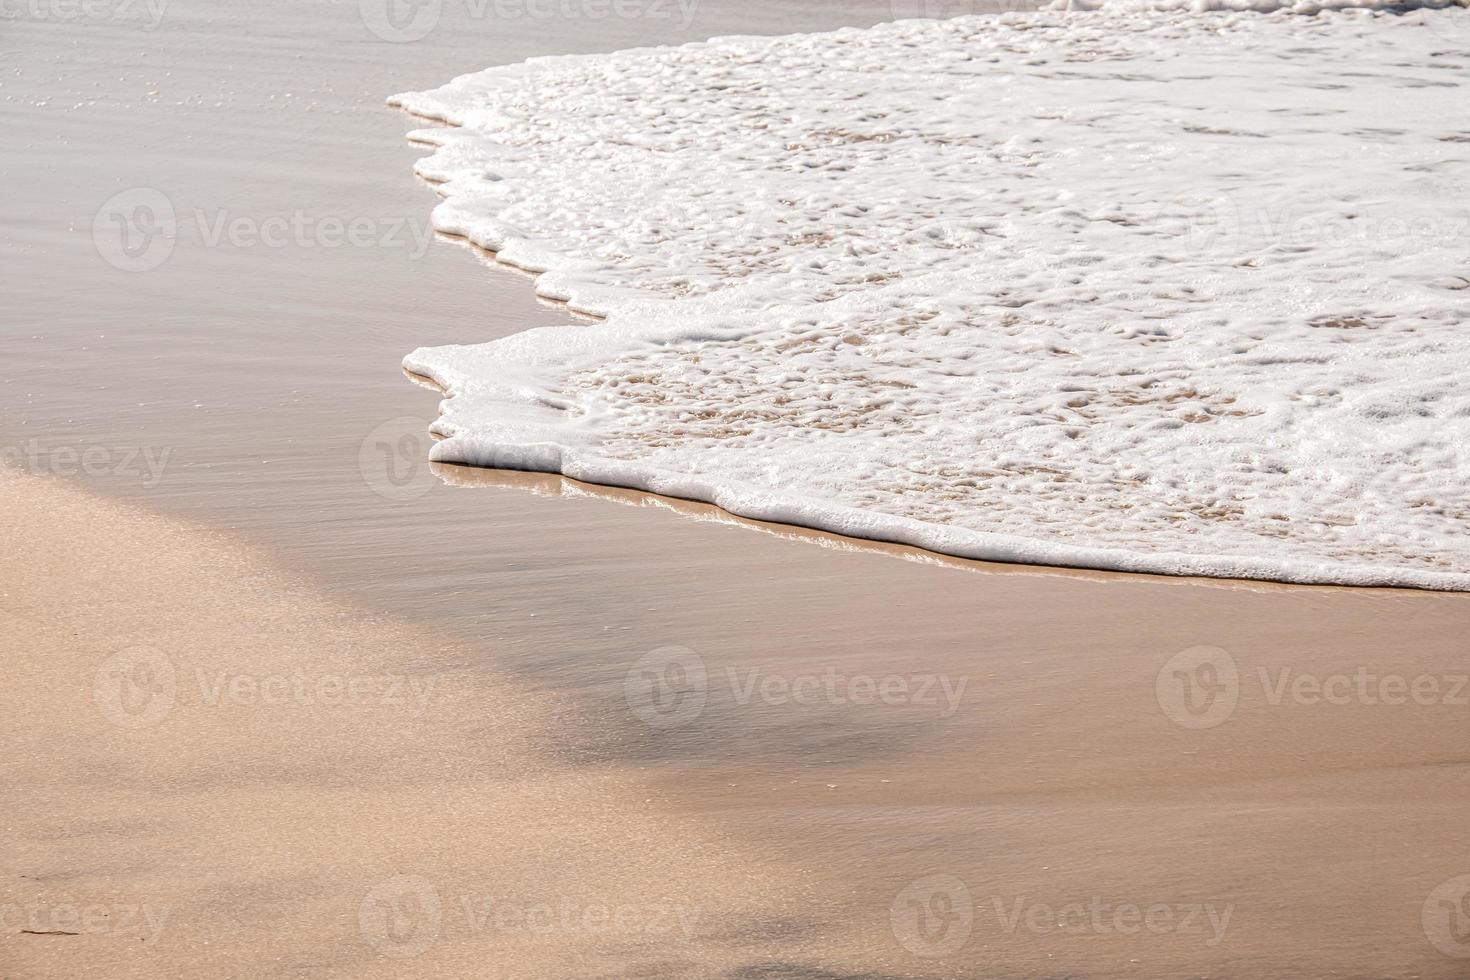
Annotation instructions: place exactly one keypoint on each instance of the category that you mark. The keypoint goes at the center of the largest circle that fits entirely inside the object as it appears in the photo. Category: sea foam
(1132, 289)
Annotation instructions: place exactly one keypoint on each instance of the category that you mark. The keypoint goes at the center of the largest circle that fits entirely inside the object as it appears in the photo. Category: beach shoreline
(801, 738)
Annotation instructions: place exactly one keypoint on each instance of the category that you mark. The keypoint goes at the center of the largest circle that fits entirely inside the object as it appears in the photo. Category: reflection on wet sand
(556, 485)
(1049, 739)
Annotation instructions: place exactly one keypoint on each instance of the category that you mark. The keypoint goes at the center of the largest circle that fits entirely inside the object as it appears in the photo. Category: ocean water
(1137, 288)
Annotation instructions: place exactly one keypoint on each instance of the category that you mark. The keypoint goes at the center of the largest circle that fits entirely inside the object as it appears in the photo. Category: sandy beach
(288, 702)
(211, 759)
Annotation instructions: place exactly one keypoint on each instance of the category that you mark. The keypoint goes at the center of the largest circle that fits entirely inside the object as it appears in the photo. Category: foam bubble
(1155, 292)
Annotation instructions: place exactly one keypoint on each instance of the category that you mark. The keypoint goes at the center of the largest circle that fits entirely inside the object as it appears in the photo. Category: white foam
(1139, 290)
(1308, 8)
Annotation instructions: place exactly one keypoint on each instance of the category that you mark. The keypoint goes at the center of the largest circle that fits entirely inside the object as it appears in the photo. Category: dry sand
(295, 529)
(213, 770)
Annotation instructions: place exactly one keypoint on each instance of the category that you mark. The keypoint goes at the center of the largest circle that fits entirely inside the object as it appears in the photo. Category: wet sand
(756, 771)
(216, 769)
